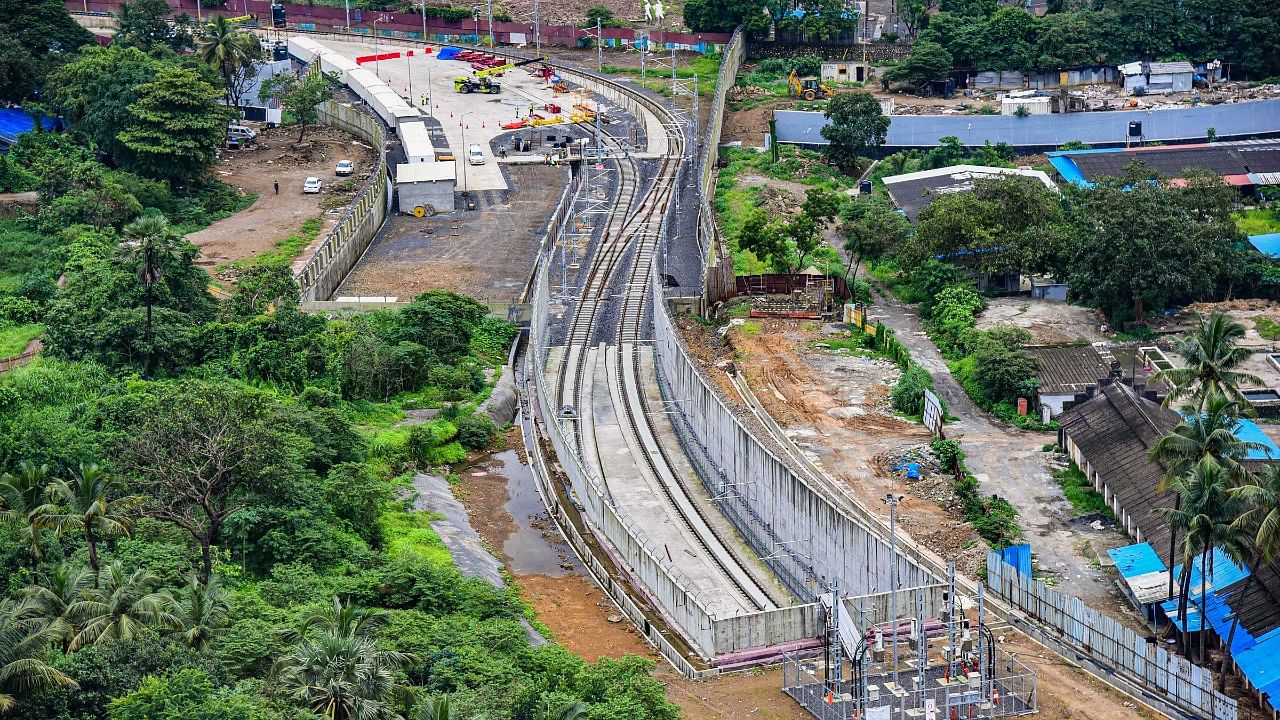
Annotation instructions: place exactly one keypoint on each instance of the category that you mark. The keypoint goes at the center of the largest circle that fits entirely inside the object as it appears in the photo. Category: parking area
(466, 118)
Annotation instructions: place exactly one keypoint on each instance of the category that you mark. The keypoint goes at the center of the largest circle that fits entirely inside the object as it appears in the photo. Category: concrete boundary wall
(805, 538)
(1183, 124)
(359, 223)
(718, 283)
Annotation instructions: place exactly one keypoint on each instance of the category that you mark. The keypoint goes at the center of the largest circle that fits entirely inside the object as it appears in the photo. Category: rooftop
(913, 192)
(1248, 163)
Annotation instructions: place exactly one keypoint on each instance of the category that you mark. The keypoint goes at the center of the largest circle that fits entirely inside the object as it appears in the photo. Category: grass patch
(284, 252)
(1080, 493)
(1258, 222)
(1267, 328)
(23, 251)
(750, 329)
(15, 338)
(409, 534)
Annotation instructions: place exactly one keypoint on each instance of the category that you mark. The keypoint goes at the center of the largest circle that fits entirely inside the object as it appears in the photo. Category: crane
(480, 82)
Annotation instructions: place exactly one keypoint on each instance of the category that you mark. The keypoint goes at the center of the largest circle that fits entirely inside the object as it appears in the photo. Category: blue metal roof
(1137, 559)
(1249, 431)
(1268, 244)
(1261, 662)
(1222, 574)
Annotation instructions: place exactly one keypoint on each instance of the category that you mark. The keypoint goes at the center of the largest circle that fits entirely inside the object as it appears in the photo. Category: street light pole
(537, 29)
(346, 5)
(490, 12)
(424, 21)
(893, 501)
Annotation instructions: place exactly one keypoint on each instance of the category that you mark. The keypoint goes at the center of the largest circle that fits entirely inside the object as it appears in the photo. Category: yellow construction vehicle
(479, 80)
(808, 88)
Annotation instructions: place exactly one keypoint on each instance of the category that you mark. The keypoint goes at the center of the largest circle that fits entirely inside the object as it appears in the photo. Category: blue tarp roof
(1249, 431)
(1268, 244)
(16, 121)
(1222, 574)
(1137, 559)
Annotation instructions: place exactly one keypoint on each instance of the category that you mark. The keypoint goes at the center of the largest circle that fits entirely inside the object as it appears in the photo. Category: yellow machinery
(808, 88)
(479, 80)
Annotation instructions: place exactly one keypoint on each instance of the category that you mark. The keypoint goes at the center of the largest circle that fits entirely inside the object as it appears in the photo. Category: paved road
(1011, 463)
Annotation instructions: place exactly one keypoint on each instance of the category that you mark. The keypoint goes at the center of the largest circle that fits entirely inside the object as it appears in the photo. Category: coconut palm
(434, 708)
(232, 53)
(90, 503)
(55, 592)
(1213, 362)
(201, 609)
(338, 670)
(22, 500)
(1205, 515)
(24, 640)
(1204, 433)
(121, 607)
(149, 241)
(1262, 523)
(573, 712)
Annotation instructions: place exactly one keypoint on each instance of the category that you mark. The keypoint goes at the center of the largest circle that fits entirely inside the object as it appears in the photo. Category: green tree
(338, 670)
(45, 29)
(927, 61)
(434, 708)
(855, 125)
(871, 227)
(24, 641)
(122, 607)
(915, 14)
(54, 593)
(1213, 361)
(177, 126)
(143, 24)
(91, 503)
(301, 96)
(1004, 369)
(189, 694)
(149, 242)
(202, 610)
(1261, 494)
(725, 15)
(233, 53)
(96, 89)
(19, 72)
(23, 503)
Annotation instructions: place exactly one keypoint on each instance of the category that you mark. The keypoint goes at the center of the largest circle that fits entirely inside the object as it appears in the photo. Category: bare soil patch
(1050, 323)
(273, 217)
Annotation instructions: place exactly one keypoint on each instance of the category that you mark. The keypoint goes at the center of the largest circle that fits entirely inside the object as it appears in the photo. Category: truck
(479, 80)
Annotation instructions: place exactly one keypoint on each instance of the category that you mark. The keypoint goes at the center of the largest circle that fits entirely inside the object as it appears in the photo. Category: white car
(345, 167)
(312, 185)
(475, 155)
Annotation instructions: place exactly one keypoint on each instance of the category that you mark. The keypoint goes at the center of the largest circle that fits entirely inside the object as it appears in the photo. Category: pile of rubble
(747, 92)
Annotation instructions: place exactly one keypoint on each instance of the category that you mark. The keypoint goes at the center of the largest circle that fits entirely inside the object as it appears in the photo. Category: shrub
(476, 431)
(908, 393)
(773, 66)
(948, 454)
(807, 64)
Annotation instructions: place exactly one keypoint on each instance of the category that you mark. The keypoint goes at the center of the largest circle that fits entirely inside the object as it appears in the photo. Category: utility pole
(424, 25)
(346, 4)
(644, 50)
(599, 48)
(490, 10)
(537, 29)
(893, 501)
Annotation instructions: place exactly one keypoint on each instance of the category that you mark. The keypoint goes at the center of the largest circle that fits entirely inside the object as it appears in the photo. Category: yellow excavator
(808, 88)
(480, 82)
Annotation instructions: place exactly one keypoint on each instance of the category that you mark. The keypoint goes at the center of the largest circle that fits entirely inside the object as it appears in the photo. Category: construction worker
(277, 184)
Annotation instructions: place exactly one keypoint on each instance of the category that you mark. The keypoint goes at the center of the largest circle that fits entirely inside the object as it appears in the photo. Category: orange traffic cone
(831, 698)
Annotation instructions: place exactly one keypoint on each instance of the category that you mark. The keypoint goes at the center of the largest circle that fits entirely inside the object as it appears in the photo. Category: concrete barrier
(348, 240)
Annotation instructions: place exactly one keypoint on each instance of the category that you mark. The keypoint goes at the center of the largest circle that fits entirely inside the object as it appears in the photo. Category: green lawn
(1258, 222)
(14, 338)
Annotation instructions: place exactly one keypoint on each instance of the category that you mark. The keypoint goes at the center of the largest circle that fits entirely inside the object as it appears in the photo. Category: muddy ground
(273, 217)
(1050, 323)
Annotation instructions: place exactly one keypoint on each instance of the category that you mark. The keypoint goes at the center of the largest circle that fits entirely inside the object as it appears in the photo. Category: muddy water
(535, 546)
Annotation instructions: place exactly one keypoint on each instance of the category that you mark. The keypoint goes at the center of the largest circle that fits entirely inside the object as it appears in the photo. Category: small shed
(427, 186)
(842, 71)
(1045, 288)
(1033, 105)
(1170, 76)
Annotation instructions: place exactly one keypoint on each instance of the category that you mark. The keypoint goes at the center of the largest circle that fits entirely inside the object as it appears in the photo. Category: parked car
(345, 167)
(240, 133)
(475, 155)
(312, 185)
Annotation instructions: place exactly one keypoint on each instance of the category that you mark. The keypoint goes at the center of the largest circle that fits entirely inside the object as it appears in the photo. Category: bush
(774, 66)
(948, 454)
(476, 431)
(953, 315)
(908, 393)
(805, 65)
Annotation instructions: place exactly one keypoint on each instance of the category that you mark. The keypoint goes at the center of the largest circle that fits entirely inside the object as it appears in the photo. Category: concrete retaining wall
(355, 230)
(718, 276)
(1183, 124)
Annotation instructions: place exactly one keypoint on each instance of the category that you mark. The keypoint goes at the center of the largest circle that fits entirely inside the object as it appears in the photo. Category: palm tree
(24, 640)
(22, 501)
(231, 52)
(123, 606)
(1213, 360)
(573, 712)
(53, 595)
(1205, 515)
(88, 504)
(150, 240)
(1262, 522)
(202, 610)
(434, 708)
(1205, 432)
(340, 619)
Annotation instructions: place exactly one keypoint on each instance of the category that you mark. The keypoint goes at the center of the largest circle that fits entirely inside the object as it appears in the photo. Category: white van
(475, 155)
(240, 133)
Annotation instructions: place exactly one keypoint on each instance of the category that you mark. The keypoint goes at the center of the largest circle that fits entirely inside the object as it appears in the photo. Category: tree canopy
(855, 124)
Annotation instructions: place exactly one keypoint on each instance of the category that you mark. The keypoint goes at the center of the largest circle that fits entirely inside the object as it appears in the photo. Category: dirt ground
(1050, 323)
(273, 217)
(486, 253)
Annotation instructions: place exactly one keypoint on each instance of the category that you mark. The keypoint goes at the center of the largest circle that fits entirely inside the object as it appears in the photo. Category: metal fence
(359, 223)
(1107, 642)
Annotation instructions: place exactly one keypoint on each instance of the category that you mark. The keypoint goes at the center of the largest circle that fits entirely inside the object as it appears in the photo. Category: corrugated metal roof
(1170, 68)
(1137, 559)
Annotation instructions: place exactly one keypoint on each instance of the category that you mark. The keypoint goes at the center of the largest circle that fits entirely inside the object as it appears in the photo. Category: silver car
(312, 185)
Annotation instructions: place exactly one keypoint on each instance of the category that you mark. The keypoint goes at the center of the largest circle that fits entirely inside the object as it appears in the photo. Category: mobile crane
(480, 82)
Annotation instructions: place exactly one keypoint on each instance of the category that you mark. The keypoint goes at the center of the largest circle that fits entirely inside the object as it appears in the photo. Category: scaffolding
(937, 661)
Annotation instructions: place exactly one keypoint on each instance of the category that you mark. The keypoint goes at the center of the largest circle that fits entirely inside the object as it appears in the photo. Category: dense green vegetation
(1080, 493)
(992, 517)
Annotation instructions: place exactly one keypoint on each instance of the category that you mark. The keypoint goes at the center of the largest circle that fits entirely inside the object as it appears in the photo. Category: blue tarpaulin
(1222, 574)
(1135, 560)
(448, 53)
(1019, 556)
(1268, 244)
(16, 121)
